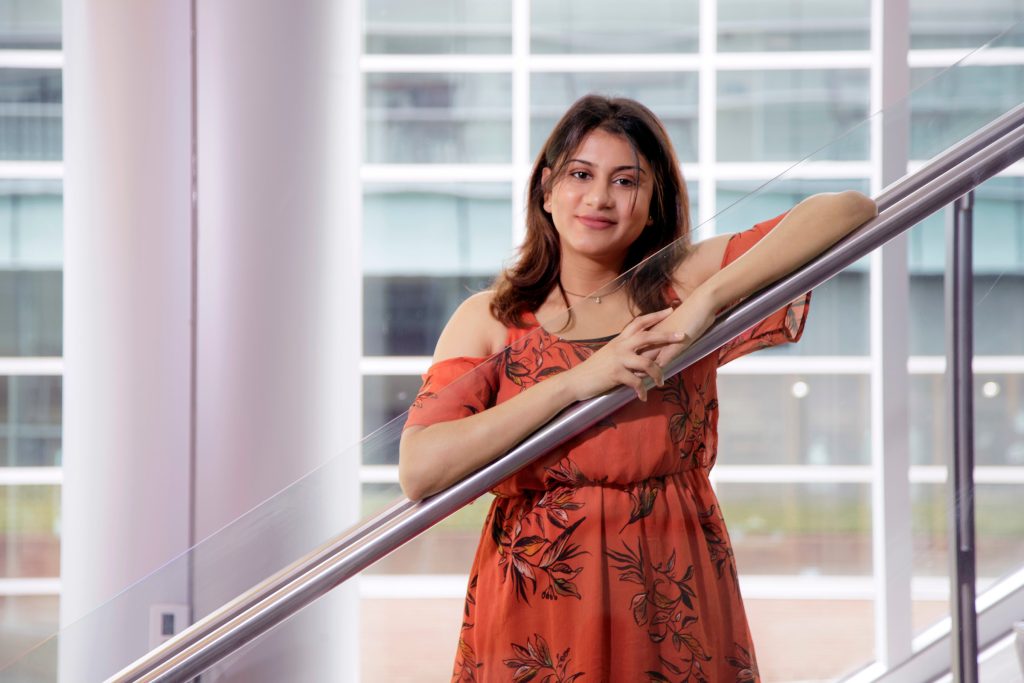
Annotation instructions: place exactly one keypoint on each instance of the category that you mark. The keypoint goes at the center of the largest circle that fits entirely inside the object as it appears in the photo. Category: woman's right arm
(434, 457)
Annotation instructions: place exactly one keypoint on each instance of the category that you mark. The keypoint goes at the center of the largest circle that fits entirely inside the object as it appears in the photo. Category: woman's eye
(626, 182)
(579, 175)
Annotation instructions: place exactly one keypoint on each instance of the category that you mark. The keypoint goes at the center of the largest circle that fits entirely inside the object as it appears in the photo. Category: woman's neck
(585, 277)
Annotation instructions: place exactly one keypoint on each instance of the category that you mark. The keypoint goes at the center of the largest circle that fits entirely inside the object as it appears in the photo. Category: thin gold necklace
(596, 298)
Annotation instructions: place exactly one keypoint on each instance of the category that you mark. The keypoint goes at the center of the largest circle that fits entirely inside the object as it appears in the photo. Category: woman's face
(601, 203)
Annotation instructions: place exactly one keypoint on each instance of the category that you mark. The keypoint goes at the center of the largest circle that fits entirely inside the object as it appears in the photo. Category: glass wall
(459, 96)
(31, 329)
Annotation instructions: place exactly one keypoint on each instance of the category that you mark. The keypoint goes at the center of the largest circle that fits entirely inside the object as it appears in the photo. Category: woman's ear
(545, 173)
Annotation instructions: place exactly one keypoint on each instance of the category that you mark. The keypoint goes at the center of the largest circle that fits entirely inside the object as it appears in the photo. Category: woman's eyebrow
(629, 167)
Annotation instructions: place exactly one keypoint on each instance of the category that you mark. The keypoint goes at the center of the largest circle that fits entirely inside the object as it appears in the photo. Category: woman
(607, 559)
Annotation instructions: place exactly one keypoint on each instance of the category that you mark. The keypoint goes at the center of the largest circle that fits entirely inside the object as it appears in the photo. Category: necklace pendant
(597, 299)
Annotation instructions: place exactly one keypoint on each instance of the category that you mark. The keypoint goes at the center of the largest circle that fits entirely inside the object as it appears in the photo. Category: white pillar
(127, 317)
(278, 336)
(211, 349)
(890, 306)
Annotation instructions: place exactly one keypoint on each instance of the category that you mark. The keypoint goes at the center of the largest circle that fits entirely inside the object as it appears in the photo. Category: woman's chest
(674, 430)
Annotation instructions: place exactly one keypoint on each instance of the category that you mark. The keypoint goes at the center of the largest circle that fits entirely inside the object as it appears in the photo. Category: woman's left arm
(811, 227)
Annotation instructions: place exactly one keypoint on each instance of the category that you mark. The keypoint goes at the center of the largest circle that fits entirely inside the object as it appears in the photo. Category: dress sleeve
(782, 326)
(454, 388)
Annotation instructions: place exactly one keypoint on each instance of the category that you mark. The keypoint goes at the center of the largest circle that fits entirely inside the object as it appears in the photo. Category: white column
(127, 320)
(707, 122)
(521, 161)
(278, 335)
(211, 347)
(890, 381)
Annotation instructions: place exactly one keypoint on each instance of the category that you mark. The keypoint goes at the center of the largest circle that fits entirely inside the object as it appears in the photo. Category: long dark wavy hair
(525, 285)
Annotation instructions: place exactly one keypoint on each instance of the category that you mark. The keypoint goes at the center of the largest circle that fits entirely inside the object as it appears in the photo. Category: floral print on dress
(713, 526)
(666, 603)
(534, 659)
(466, 664)
(688, 423)
(524, 554)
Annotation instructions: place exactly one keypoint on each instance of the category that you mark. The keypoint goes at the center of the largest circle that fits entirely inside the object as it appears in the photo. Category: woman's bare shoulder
(472, 330)
(703, 260)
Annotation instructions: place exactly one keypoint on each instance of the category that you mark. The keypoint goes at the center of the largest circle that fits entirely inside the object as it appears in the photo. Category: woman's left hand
(692, 318)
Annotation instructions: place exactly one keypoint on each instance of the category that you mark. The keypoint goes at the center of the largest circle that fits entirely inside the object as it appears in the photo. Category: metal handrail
(903, 204)
(953, 155)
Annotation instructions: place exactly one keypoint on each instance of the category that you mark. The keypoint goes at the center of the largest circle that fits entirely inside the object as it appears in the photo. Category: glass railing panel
(415, 596)
(27, 620)
(269, 537)
(999, 377)
(998, 283)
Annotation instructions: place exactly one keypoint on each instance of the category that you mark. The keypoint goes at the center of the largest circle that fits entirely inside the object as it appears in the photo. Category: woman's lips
(596, 222)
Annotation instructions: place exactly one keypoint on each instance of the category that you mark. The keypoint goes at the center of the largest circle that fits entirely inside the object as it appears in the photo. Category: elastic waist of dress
(656, 480)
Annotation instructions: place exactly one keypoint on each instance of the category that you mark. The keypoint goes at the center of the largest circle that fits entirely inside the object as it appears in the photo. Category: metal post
(959, 354)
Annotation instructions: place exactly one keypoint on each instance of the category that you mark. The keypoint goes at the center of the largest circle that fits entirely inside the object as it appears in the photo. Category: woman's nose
(598, 195)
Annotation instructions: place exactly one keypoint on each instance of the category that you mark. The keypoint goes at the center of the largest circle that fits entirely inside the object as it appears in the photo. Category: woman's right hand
(621, 360)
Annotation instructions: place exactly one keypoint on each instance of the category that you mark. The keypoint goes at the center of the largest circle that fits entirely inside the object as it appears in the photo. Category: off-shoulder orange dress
(607, 560)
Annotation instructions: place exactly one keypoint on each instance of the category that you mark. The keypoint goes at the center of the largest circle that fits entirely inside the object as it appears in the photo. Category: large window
(458, 97)
(31, 265)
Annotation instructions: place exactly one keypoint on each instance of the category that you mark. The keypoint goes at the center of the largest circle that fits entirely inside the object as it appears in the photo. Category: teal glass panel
(937, 24)
(31, 119)
(672, 96)
(998, 419)
(998, 247)
(30, 24)
(30, 524)
(446, 27)
(588, 27)
(425, 248)
(30, 421)
(789, 25)
(438, 118)
(947, 106)
(783, 115)
(799, 419)
(31, 224)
